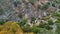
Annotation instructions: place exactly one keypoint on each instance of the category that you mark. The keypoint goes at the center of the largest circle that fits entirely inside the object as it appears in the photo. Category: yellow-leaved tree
(10, 28)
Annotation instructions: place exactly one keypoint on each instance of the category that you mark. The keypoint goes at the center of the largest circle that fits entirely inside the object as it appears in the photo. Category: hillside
(32, 16)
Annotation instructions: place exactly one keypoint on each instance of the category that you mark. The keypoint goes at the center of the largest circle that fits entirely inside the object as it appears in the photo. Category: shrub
(58, 28)
(26, 28)
(56, 14)
(17, 2)
(44, 25)
(50, 22)
(31, 1)
(38, 7)
(45, 6)
(41, 25)
(38, 30)
(48, 3)
(48, 27)
(53, 4)
(58, 20)
(1, 22)
(22, 22)
(35, 29)
(33, 19)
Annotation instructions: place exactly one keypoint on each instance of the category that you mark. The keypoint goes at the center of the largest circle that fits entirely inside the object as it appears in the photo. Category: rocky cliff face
(13, 10)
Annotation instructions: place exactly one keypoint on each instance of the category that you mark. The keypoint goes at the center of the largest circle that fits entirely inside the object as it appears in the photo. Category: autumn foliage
(10, 28)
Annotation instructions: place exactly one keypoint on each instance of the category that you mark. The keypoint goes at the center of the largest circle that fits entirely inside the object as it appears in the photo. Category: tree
(11, 28)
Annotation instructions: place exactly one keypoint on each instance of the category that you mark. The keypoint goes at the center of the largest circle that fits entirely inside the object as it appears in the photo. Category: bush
(38, 7)
(48, 27)
(58, 20)
(33, 19)
(1, 22)
(58, 28)
(31, 1)
(53, 4)
(35, 29)
(41, 25)
(16, 3)
(44, 25)
(22, 22)
(56, 14)
(26, 28)
(38, 30)
(48, 3)
(45, 6)
(50, 22)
